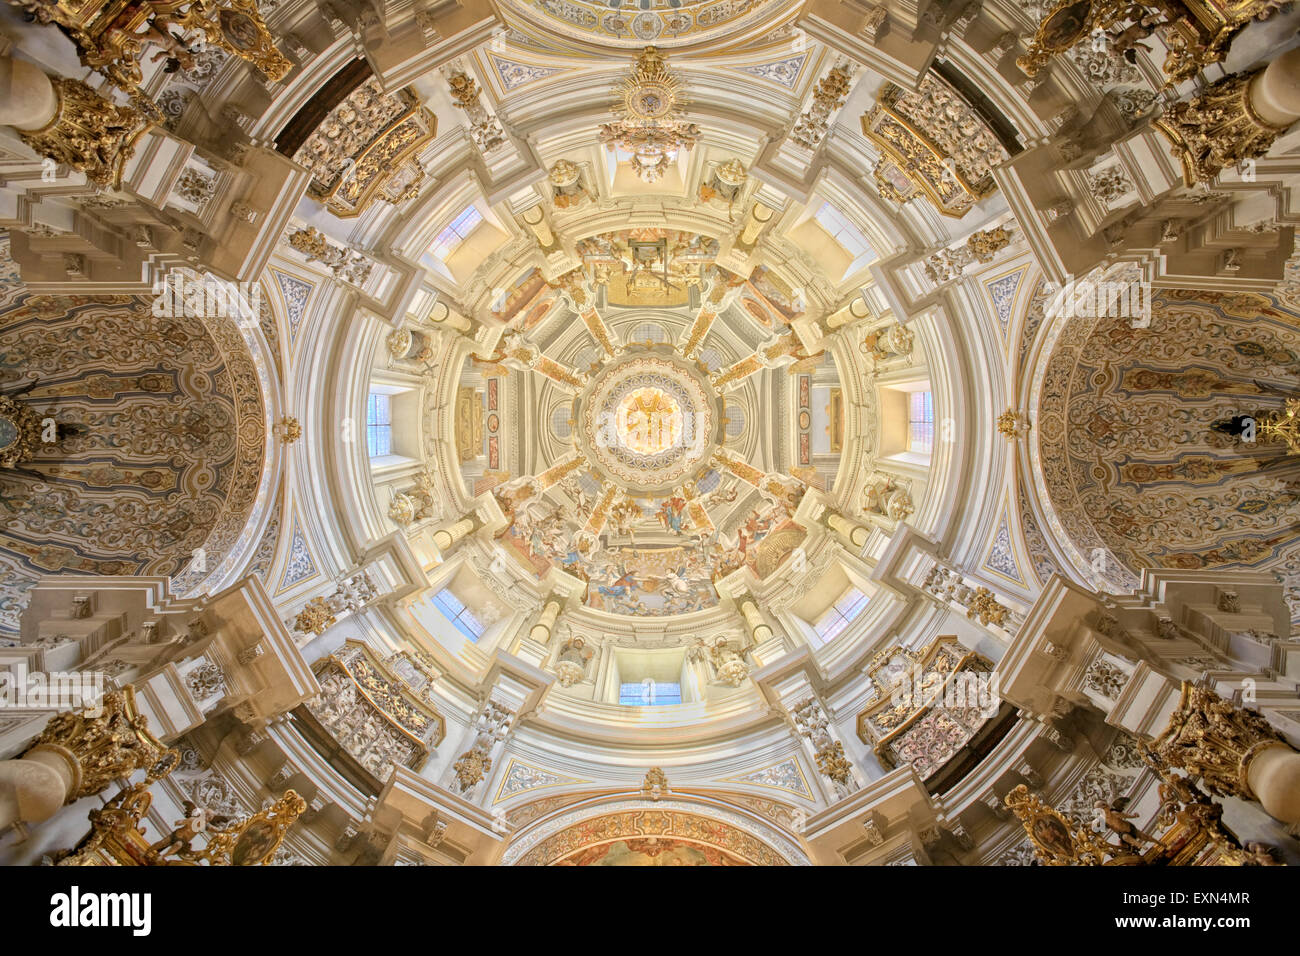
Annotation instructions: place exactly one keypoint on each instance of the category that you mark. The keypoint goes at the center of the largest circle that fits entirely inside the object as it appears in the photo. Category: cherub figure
(196, 820)
(1118, 822)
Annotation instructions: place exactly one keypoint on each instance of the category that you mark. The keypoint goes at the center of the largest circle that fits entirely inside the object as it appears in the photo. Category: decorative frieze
(490, 727)
(371, 714)
(935, 141)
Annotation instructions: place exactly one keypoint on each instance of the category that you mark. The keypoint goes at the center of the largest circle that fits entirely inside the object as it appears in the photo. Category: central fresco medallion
(649, 420)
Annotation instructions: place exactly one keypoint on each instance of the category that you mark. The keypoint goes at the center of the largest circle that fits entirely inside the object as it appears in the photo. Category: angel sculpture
(196, 820)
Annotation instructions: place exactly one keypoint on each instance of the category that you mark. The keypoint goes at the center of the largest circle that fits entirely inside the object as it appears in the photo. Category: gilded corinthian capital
(88, 133)
(1218, 129)
(1211, 738)
(104, 744)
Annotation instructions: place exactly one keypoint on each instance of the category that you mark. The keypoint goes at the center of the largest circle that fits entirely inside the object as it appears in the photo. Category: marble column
(852, 532)
(444, 538)
(27, 97)
(758, 628)
(541, 632)
(442, 315)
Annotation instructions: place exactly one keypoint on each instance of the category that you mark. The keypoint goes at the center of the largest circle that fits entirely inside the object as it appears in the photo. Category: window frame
(440, 602)
(841, 614)
(927, 400)
(372, 397)
(642, 701)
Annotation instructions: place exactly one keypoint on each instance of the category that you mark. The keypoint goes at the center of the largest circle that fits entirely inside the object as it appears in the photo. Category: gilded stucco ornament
(1013, 424)
(117, 835)
(1283, 425)
(931, 141)
(237, 27)
(1210, 738)
(366, 149)
(104, 743)
(88, 133)
(401, 510)
(1196, 34)
(1217, 129)
(288, 429)
(471, 767)
(985, 607)
(1057, 841)
(20, 432)
(655, 784)
(833, 764)
(649, 121)
(315, 617)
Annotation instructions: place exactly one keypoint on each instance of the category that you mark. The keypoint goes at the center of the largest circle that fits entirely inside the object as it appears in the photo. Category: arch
(618, 830)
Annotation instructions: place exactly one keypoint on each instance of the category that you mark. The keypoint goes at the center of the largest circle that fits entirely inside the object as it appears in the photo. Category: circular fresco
(648, 420)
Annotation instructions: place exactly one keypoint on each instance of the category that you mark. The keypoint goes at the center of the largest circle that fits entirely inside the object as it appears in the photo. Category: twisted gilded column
(1235, 752)
(78, 754)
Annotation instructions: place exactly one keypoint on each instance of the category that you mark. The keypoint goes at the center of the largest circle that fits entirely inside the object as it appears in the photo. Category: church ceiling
(659, 387)
(161, 440)
(1135, 472)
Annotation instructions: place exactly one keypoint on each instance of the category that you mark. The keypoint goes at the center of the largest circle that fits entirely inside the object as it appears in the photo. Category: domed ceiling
(637, 23)
(641, 393)
(655, 476)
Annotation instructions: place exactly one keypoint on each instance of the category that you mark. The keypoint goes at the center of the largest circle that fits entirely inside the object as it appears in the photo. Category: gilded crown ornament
(1013, 424)
(288, 429)
(650, 123)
